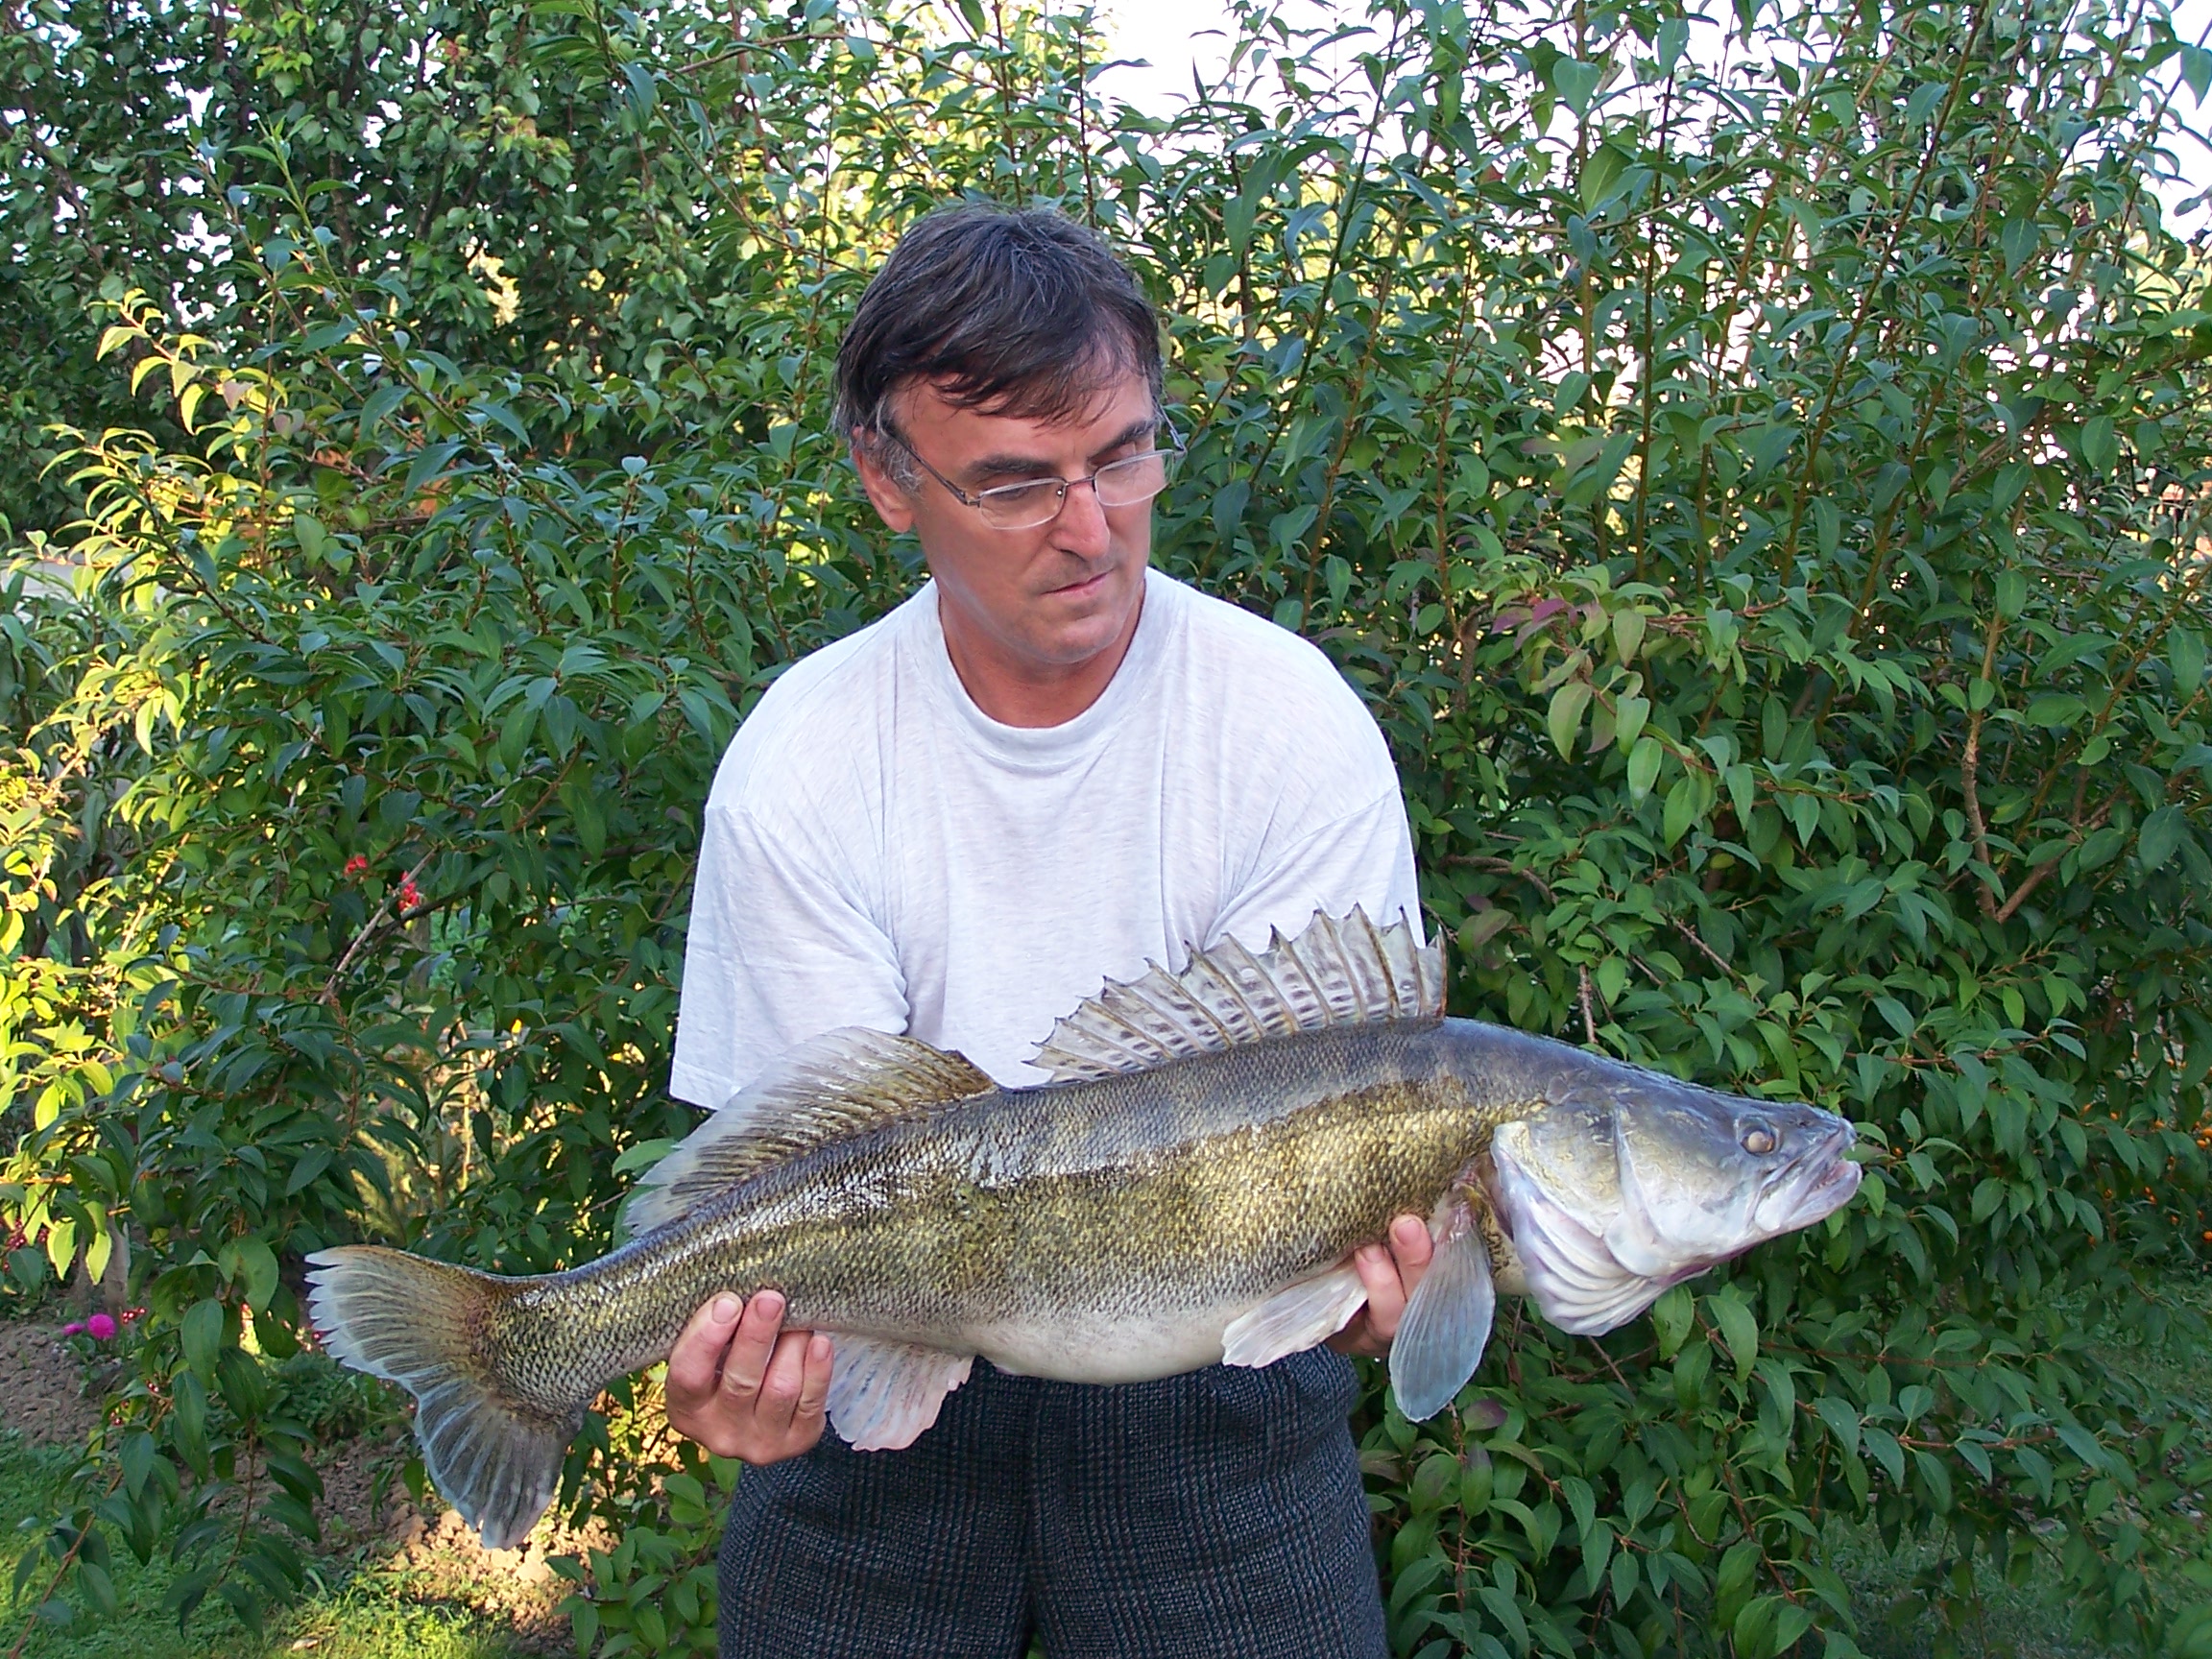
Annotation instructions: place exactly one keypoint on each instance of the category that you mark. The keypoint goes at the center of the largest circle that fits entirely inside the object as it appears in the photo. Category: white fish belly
(1118, 1351)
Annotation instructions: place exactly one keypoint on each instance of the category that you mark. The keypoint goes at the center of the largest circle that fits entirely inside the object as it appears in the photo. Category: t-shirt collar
(1042, 746)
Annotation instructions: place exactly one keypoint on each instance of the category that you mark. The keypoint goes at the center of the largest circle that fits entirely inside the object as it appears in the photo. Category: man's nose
(1081, 527)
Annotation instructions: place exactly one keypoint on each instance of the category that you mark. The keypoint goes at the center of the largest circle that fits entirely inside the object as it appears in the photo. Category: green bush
(1758, 477)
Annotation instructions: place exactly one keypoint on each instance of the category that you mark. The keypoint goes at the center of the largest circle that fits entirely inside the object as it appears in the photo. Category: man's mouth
(1088, 584)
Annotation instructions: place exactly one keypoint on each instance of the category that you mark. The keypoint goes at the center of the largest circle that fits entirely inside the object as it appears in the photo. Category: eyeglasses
(1125, 483)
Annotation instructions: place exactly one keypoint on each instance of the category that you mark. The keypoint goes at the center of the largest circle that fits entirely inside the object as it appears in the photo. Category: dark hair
(1020, 313)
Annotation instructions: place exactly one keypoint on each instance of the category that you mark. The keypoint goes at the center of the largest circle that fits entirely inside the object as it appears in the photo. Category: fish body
(1222, 1141)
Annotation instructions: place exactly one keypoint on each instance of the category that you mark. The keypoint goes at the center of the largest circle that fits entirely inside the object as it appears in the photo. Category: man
(1046, 767)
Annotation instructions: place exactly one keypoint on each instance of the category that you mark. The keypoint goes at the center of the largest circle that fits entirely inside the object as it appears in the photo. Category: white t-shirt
(880, 852)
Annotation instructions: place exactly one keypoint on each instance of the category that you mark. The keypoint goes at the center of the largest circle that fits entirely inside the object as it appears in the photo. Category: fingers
(1377, 1271)
(1388, 1272)
(781, 1385)
(743, 1386)
(814, 1386)
(1412, 1249)
(751, 1345)
(697, 1357)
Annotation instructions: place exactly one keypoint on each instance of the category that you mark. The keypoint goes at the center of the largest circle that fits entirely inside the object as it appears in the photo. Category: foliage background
(1754, 467)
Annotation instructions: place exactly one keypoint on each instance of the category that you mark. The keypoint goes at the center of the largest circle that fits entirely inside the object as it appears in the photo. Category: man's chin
(1083, 621)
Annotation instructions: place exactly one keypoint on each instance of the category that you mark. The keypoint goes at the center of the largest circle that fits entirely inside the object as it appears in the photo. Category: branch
(1969, 768)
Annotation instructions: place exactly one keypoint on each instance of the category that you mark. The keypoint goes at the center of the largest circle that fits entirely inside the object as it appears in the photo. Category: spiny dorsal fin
(829, 1088)
(1337, 972)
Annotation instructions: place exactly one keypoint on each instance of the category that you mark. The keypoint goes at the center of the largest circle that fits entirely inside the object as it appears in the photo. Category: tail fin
(425, 1326)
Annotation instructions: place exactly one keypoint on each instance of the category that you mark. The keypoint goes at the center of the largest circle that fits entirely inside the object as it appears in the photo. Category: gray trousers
(1216, 1513)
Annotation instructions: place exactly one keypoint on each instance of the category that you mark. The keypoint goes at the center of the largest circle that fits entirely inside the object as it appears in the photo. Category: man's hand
(1390, 1274)
(744, 1387)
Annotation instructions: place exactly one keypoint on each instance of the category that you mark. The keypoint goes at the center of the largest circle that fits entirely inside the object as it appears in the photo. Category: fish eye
(1759, 1140)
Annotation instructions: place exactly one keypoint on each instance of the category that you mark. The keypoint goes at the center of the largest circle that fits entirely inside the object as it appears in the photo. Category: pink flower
(99, 1327)
(74, 1328)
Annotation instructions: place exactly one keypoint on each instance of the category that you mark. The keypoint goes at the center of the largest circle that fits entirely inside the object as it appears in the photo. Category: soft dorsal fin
(829, 1088)
(1340, 971)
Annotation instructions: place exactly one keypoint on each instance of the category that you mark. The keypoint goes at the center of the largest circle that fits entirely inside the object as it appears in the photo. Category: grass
(353, 1613)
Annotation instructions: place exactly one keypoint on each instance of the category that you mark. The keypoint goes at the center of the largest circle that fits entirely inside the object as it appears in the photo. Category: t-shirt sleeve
(1364, 859)
(778, 950)
(1312, 813)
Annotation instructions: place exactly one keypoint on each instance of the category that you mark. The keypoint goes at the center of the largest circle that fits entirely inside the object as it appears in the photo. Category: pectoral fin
(883, 1395)
(1293, 1320)
(1447, 1321)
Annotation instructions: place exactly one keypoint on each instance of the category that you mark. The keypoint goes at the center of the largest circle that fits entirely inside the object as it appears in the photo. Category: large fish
(1186, 1191)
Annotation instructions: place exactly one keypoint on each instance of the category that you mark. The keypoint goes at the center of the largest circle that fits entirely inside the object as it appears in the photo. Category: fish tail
(426, 1326)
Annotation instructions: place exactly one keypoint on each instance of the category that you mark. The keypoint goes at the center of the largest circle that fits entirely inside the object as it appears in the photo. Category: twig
(390, 902)
(1711, 955)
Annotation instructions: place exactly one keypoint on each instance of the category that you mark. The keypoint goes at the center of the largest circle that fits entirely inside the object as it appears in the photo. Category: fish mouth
(1819, 1183)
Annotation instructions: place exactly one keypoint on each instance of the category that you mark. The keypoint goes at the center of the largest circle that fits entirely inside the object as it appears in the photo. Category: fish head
(1626, 1182)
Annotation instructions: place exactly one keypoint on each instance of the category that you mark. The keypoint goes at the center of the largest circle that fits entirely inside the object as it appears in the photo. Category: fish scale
(1192, 1190)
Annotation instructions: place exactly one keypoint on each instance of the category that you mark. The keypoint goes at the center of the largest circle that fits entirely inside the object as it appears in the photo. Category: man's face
(1028, 604)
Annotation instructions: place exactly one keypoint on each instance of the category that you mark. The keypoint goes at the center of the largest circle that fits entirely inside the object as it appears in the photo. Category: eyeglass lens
(1121, 483)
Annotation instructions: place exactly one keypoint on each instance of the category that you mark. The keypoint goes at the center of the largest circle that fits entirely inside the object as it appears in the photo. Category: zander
(1186, 1191)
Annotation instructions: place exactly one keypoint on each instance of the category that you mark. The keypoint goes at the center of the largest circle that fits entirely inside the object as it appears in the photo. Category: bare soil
(41, 1392)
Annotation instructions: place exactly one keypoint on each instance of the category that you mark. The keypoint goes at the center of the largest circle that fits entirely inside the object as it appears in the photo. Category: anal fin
(883, 1395)
(1447, 1321)
(1294, 1320)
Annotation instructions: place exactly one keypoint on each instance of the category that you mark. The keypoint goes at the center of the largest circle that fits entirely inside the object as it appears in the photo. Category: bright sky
(1174, 34)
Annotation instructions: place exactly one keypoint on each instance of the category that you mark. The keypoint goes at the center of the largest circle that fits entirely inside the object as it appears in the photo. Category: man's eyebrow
(1142, 428)
(1012, 466)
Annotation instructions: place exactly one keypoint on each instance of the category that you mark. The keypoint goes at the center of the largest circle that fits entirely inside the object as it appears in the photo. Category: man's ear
(893, 503)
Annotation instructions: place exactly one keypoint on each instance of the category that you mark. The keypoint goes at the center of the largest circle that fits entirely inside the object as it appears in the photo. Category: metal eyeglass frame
(1166, 454)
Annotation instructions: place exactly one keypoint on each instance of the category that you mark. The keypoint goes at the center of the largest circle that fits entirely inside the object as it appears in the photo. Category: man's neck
(1033, 695)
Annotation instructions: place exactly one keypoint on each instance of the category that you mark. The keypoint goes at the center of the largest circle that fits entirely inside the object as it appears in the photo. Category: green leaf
(2099, 445)
(2196, 71)
(1644, 765)
(1739, 1327)
(1565, 716)
(1673, 1315)
(62, 1246)
(1681, 809)
(258, 1263)
(1576, 80)
(1628, 716)
(645, 1154)
(2161, 833)
(1482, 926)
(1843, 1420)
(1628, 635)
(202, 1332)
(1604, 166)
(2185, 655)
